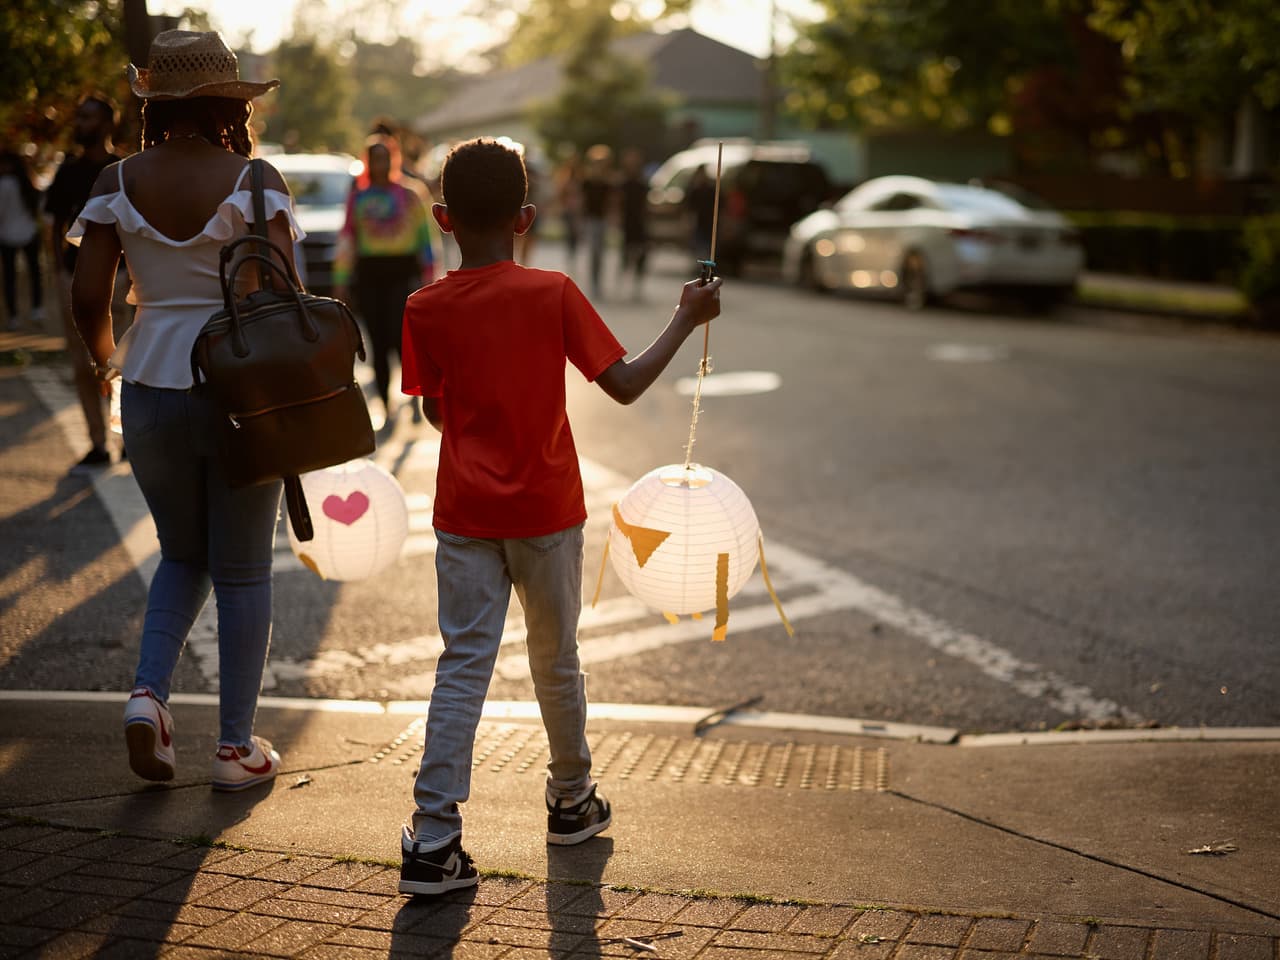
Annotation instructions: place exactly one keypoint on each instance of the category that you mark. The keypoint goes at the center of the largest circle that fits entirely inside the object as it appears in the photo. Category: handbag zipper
(285, 406)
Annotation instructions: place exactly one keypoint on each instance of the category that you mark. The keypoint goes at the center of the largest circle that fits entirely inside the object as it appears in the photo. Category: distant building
(717, 88)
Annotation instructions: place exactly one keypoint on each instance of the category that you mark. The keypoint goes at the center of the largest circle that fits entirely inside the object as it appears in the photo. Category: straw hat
(185, 63)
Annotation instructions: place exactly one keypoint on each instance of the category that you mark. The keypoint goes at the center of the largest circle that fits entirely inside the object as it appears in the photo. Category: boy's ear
(441, 215)
(524, 219)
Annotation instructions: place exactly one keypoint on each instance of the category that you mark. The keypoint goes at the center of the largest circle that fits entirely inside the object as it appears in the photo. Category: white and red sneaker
(236, 768)
(148, 732)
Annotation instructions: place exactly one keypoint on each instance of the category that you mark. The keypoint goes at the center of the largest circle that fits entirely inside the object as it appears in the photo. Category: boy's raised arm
(626, 380)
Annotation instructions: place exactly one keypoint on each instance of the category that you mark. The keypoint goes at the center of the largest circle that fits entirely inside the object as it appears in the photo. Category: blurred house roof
(699, 69)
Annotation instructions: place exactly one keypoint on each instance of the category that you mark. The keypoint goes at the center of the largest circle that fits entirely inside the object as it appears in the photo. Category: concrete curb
(705, 717)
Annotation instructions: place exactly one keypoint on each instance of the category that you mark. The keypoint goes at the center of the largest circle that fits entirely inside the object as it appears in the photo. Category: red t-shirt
(491, 343)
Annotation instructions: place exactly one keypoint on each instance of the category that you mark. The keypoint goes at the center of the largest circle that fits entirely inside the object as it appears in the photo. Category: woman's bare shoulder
(108, 181)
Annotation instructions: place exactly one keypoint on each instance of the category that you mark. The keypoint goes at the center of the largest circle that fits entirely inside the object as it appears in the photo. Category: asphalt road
(977, 519)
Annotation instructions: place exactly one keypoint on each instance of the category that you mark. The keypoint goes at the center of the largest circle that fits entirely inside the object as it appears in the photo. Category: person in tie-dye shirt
(385, 252)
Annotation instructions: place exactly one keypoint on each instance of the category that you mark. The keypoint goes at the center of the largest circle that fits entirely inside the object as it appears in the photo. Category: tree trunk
(137, 30)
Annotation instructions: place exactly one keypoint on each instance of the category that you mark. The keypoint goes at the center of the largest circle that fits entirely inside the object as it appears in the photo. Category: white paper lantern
(361, 520)
(684, 540)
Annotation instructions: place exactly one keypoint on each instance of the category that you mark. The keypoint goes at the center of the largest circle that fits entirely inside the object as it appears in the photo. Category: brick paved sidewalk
(67, 893)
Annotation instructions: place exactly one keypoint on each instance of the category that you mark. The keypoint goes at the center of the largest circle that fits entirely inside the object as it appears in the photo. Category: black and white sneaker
(567, 825)
(435, 866)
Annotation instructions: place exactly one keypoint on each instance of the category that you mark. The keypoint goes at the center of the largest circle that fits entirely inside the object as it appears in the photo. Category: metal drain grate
(519, 748)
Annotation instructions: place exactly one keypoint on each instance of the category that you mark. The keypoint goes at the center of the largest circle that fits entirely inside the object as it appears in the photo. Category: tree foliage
(1199, 57)
(951, 63)
(311, 110)
(387, 81)
(55, 52)
(604, 99)
(545, 28)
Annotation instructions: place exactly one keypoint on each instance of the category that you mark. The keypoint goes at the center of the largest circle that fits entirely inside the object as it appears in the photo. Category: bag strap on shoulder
(257, 188)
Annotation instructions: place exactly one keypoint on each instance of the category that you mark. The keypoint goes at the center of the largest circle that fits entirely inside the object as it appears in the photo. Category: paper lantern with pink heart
(361, 521)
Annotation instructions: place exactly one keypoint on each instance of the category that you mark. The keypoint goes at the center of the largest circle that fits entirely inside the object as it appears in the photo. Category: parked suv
(765, 187)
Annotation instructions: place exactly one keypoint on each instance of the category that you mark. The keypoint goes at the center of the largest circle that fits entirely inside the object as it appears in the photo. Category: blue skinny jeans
(211, 537)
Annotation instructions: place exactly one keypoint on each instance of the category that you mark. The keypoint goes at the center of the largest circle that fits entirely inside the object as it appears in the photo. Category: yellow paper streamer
(311, 565)
(600, 579)
(671, 617)
(764, 570)
(643, 540)
(722, 597)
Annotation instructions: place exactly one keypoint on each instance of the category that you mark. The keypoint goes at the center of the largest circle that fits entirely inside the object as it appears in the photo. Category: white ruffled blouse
(175, 282)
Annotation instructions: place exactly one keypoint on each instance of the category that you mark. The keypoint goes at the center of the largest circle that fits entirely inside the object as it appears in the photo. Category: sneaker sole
(140, 737)
(569, 839)
(424, 889)
(231, 786)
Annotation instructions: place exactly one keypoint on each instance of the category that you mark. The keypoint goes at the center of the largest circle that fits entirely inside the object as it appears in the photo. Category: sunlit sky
(740, 23)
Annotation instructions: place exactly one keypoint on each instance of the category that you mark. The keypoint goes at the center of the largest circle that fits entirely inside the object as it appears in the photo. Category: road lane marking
(821, 589)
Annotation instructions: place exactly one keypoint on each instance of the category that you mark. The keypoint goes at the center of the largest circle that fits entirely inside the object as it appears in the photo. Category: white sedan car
(922, 239)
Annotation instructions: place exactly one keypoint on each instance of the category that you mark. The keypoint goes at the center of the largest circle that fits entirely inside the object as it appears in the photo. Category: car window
(1015, 192)
(680, 179)
(900, 202)
(784, 179)
(978, 200)
(318, 188)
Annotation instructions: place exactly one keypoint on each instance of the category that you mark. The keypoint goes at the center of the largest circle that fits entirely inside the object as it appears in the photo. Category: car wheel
(915, 282)
(809, 279)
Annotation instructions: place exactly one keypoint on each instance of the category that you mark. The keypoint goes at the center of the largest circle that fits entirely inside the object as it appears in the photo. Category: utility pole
(769, 77)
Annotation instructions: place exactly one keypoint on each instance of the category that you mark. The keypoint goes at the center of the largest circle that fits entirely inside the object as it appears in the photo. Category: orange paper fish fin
(643, 540)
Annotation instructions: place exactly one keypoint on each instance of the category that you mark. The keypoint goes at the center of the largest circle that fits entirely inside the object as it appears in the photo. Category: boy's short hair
(484, 183)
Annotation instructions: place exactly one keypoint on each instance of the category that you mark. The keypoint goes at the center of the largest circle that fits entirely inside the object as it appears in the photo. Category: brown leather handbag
(279, 366)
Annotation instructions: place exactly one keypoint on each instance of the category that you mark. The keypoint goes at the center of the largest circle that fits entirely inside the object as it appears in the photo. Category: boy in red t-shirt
(485, 347)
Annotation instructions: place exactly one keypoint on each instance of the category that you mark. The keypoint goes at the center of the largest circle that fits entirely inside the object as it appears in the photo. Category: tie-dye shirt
(388, 221)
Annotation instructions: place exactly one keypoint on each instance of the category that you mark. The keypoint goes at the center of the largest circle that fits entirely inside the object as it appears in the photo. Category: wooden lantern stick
(706, 272)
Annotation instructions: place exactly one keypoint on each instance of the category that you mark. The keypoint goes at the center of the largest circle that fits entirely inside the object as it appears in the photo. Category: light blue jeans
(475, 578)
(211, 537)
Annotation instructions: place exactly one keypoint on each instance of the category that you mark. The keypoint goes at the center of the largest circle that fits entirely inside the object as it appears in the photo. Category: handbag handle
(240, 346)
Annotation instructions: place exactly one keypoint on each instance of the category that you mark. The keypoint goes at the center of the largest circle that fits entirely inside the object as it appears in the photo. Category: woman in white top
(19, 233)
(171, 208)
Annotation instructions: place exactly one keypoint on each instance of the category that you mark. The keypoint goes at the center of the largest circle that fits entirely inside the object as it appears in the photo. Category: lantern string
(600, 580)
(708, 265)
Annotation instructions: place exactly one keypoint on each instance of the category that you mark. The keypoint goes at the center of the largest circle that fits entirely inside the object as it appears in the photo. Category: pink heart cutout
(346, 511)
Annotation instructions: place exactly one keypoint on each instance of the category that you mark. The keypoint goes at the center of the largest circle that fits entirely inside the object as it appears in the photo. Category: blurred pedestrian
(385, 252)
(633, 198)
(597, 205)
(171, 208)
(92, 127)
(700, 205)
(20, 233)
(568, 179)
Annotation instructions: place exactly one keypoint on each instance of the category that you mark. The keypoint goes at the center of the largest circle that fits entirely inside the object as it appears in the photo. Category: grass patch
(208, 842)
(1229, 304)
